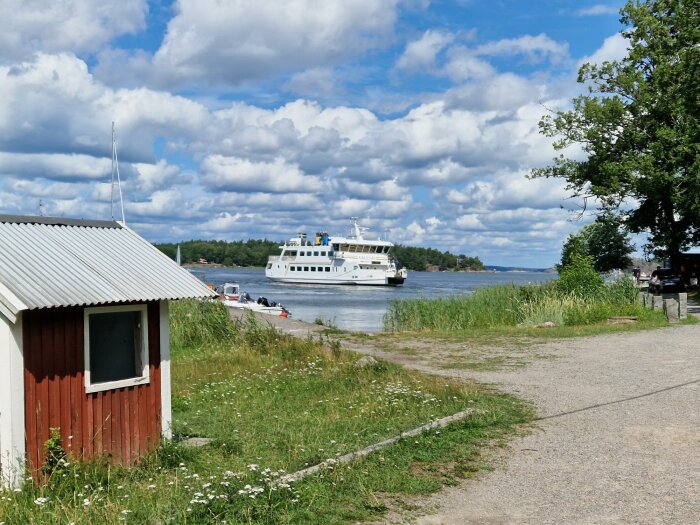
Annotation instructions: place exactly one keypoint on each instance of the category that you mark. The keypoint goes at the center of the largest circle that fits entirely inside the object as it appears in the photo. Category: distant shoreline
(207, 265)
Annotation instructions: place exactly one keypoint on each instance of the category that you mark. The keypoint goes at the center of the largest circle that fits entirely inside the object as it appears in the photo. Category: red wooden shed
(84, 340)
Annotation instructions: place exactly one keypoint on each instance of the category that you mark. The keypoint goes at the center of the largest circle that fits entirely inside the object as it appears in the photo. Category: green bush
(580, 278)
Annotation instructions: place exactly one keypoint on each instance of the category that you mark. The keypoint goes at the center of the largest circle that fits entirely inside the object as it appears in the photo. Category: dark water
(359, 308)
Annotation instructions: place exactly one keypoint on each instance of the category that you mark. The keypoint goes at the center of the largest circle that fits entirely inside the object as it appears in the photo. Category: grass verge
(273, 404)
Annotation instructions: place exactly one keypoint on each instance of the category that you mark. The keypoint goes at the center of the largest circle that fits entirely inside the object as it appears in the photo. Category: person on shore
(636, 273)
(655, 281)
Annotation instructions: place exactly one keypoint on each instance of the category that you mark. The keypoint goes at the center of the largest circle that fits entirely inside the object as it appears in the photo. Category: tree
(639, 126)
(603, 241)
(573, 247)
(608, 245)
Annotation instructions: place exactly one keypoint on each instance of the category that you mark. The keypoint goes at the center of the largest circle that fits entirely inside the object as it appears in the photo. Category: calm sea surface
(359, 308)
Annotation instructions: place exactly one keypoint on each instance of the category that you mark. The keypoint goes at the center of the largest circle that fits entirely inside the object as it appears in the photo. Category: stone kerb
(671, 310)
(683, 305)
(649, 300)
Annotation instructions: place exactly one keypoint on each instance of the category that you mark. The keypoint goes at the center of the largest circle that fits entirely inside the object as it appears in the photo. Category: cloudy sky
(245, 119)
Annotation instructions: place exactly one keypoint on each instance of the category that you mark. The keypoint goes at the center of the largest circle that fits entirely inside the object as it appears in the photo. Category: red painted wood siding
(121, 424)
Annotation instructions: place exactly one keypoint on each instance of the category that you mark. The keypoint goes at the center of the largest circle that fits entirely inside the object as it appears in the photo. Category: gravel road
(618, 440)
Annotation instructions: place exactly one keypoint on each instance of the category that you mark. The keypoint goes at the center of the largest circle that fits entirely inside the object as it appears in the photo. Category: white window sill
(113, 385)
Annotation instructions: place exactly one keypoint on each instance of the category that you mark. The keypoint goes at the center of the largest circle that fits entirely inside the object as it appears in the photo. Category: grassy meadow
(273, 404)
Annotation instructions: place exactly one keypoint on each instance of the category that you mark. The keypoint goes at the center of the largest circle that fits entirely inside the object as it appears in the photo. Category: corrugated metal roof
(48, 262)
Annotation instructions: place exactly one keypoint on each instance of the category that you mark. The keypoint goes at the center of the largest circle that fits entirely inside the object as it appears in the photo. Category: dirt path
(618, 439)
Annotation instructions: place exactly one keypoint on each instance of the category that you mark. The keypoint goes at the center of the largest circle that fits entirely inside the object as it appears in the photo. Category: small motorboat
(232, 297)
(229, 292)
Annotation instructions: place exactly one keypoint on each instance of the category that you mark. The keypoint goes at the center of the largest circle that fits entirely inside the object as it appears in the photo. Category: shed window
(116, 347)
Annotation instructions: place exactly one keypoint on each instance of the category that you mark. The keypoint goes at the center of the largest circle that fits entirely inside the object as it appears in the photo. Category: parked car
(670, 281)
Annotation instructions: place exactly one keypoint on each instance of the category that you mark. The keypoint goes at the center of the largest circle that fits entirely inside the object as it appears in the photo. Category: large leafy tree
(639, 126)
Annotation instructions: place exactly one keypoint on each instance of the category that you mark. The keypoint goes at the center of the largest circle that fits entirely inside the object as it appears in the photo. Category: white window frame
(144, 378)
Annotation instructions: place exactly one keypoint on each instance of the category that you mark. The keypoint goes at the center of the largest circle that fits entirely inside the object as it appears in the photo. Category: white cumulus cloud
(27, 27)
(236, 174)
(537, 48)
(420, 54)
(209, 42)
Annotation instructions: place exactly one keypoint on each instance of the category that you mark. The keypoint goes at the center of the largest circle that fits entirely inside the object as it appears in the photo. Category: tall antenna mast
(115, 169)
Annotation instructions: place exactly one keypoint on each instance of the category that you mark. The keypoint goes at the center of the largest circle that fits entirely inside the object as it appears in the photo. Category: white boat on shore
(336, 260)
(232, 297)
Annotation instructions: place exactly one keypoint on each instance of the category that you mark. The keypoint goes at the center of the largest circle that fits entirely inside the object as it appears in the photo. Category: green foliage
(580, 278)
(491, 306)
(607, 244)
(56, 463)
(578, 297)
(604, 241)
(640, 127)
(418, 259)
(195, 323)
(237, 253)
(574, 246)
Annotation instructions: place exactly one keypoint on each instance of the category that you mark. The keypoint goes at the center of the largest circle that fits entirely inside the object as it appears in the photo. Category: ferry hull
(359, 281)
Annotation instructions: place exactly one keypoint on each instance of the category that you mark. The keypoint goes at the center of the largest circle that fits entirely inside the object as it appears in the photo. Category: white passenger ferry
(336, 260)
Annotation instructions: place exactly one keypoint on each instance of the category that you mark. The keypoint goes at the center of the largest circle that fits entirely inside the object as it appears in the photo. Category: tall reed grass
(194, 324)
(511, 305)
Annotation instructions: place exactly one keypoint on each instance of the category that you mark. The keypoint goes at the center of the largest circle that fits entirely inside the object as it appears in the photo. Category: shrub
(55, 464)
(580, 278)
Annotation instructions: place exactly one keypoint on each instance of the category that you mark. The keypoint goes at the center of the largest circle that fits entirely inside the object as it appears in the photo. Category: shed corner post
(165, 387)
(12, 417)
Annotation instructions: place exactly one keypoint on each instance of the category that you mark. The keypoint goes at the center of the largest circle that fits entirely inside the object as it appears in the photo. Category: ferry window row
(294, 253)
(361, 248)
(358, 248)
(309, 268)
